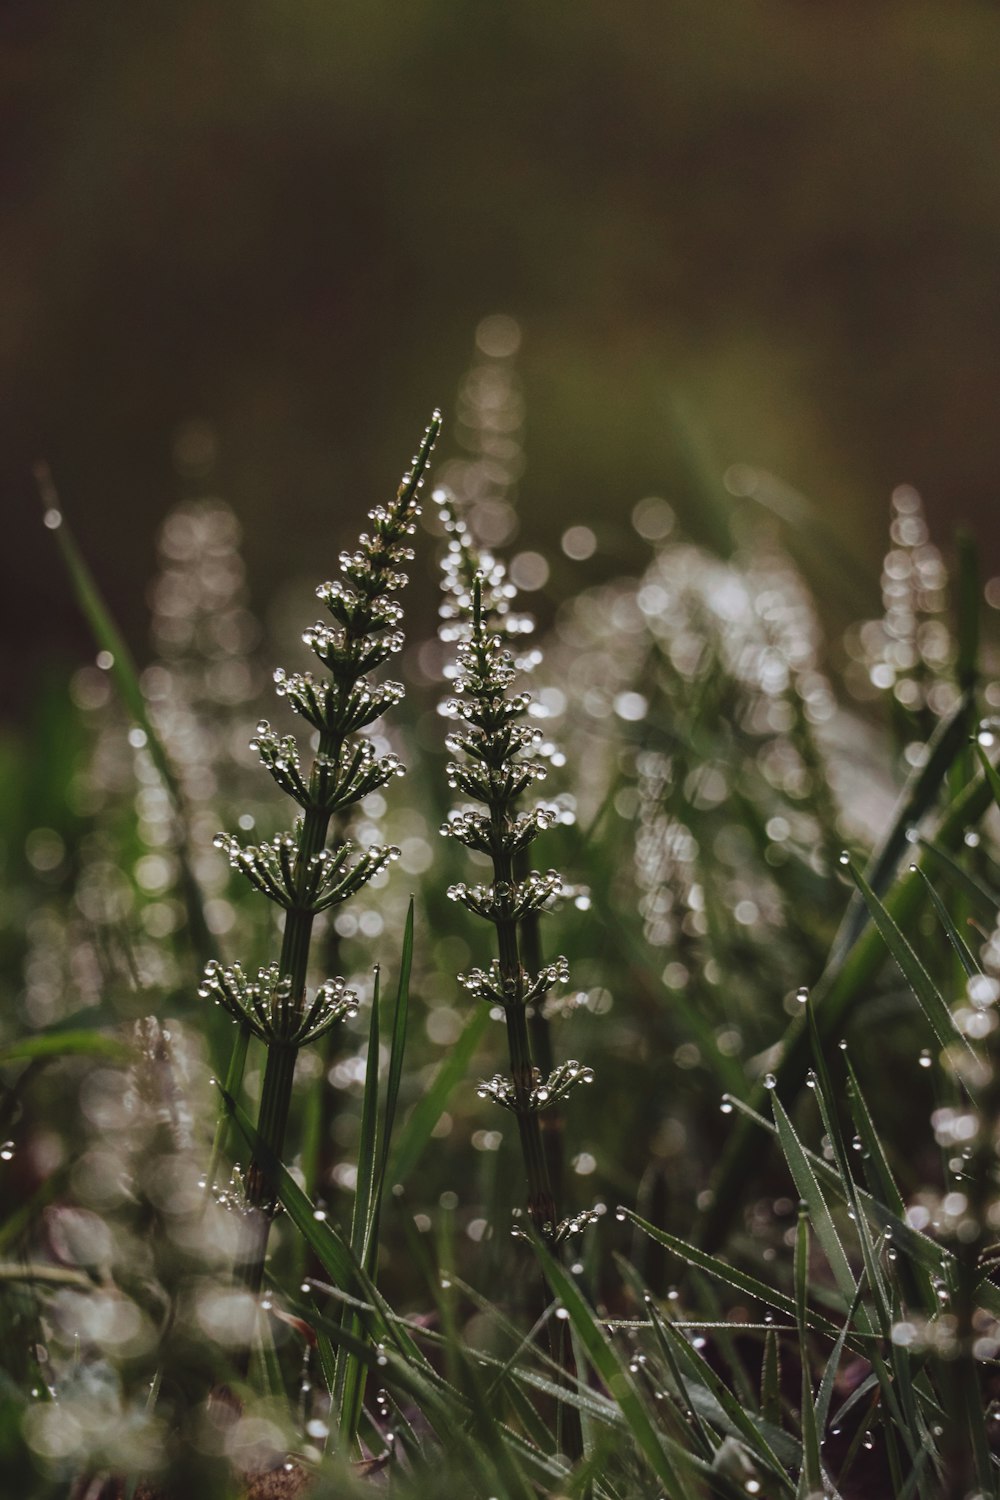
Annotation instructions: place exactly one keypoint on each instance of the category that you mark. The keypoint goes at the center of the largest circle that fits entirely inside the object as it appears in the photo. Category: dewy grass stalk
(492, 767)
(296, 870)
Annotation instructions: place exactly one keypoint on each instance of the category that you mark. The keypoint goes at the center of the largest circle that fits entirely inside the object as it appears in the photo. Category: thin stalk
(279, 1072)
(552, 1122)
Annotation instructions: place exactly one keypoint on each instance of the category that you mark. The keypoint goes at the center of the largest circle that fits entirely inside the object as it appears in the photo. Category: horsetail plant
(297, 870)
(493, 765)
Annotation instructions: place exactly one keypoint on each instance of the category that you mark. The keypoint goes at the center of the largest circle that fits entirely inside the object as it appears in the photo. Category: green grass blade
(933, 1257)
(811, 1476)
(739, 1421)
(965, 955)
(946, 745)
(983, 899)
(398, 1045)
(416, 1130)
(770, 1380)
(811, 1193)
(989, 769)
(369, 1142)
(231, 1087)
(76, 1043)
(913, 1276)
(740, 1281)
(444, 1408)
(614, 1372)
(349, 1383)
(836, 993)
(109, 638)
(929, 997)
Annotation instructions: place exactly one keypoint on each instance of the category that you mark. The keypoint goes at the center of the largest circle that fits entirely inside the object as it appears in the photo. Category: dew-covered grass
(569, 1071)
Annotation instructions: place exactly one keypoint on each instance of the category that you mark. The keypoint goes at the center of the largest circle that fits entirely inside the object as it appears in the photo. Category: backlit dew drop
(844, 858)
(727, 1105)
(7, 1151)
(801, 995)
(925, 1059)
(769, 1081)
(620, 1215)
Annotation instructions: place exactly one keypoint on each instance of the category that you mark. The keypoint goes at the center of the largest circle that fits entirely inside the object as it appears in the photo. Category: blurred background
(252, 242)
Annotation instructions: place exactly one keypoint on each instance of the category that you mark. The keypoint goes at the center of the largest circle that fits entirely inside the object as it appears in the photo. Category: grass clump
(786, 909)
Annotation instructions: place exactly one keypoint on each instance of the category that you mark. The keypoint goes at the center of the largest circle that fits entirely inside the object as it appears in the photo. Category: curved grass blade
(929, 997)
(965, 955)
(417, 1128)
(77, 1043)
(811, 1475)
(348, 1387)
(735, 1416)
(835, 994)
(983, 900)
(811, 1193)
(948, 742)
(109, 638)
(614, 1372)
(441, 1405)
(770, 1380)
(740, 1281)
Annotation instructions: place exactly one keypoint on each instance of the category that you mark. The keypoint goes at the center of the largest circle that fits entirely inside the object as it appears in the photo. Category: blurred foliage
(772, 224)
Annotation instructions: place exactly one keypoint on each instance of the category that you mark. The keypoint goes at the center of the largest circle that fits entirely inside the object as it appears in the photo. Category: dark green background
(778, 220)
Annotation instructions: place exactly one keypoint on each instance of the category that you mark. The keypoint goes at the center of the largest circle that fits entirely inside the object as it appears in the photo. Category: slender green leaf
(398, 1045)
(735, 1417)
(110, 639)
(948, 742)
(416, 1131)
(63, 1044)
(843, 983)
(929, 997)
(811, 1193)
(740, 1281)
(811, 1476)
(965, 955)
(983, 900)
(231, 1089)
(770, 1380)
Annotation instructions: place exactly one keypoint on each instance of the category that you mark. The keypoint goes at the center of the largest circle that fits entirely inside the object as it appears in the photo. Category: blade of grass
(836, 993)
(416, 1130)
(983, 900)
(965, 955)
(63, 1044)
(110, 639)
(348, 1388)
(948, 743)
(770, 1380)
(615, 1374)
(811, 1193)
(929, 997)
(811, 1475)
(740, 1281)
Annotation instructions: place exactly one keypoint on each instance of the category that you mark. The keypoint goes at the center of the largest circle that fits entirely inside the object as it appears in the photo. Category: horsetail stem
(297, 870)
(493, 767)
